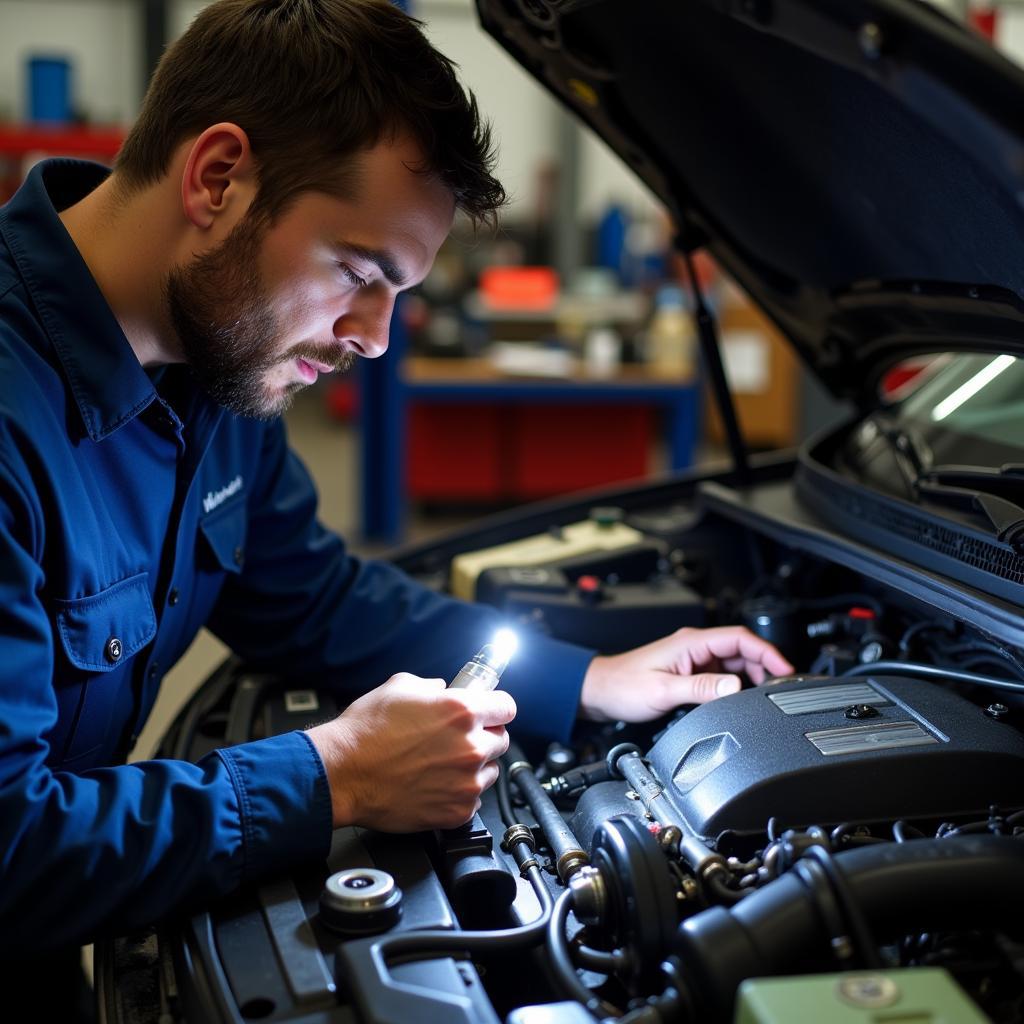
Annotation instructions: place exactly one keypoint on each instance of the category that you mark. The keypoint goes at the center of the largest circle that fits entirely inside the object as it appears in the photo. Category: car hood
(857, 167)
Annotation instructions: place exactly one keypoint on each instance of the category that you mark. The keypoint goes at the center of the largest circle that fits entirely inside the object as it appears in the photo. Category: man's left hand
(691, 666)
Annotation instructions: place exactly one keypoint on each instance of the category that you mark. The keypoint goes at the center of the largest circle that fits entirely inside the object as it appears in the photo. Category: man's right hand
(413, 755)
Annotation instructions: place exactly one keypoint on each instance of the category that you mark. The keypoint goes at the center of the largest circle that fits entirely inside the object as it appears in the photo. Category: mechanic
(296, 164)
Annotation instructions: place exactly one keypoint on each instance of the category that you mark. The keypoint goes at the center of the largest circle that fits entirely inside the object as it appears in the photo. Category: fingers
(736, 648)
(492, 743)
(703, 687)
(487, 776)
(491, 708)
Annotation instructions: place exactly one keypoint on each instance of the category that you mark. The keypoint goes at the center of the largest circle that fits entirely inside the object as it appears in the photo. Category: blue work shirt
(134, 511)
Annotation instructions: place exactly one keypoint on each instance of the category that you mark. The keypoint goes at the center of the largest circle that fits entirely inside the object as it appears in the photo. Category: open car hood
(858, 167)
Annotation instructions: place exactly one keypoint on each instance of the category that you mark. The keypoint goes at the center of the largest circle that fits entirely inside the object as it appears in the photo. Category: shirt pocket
(99, 635)
(224, 530)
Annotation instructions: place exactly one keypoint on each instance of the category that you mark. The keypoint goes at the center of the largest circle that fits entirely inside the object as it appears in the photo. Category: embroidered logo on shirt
(215, 498)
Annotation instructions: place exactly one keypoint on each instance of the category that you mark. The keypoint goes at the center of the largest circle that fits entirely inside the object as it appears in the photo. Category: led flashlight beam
(483, 670)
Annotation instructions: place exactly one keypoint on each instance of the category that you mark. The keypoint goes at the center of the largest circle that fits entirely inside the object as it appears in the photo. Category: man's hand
(413, 755)
(691, 666)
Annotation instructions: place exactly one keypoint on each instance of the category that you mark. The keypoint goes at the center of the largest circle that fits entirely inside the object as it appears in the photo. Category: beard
(219, 308)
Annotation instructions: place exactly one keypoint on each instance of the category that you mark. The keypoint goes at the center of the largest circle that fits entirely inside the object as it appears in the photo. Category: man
(296, 164)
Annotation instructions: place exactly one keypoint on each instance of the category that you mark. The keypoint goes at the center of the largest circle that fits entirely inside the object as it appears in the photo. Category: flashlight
(484, 669)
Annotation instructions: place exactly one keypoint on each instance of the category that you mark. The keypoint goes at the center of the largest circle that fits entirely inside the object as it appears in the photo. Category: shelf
(19, 140)
(621, 307)
(425, 373)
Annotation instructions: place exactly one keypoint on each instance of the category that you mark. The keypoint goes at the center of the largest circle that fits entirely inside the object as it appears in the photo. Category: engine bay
(856, 824)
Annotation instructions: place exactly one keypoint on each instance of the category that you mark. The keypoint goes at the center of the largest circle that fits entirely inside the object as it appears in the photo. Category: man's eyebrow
(381, 258)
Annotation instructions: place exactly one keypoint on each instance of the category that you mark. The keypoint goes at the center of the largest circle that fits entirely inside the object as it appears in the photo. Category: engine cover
(824, 751)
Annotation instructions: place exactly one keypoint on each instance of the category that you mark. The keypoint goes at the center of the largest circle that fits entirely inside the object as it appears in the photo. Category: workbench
(391, 384)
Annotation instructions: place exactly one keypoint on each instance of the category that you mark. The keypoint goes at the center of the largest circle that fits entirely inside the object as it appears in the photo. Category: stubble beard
(218, 307)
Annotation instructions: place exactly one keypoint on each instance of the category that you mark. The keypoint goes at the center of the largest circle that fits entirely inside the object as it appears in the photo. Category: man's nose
(369, 326)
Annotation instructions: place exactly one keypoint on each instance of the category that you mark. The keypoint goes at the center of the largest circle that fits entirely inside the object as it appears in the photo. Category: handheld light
(484, 669)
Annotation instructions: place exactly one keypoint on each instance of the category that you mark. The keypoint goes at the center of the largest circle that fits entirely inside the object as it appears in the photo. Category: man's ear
(219, 179)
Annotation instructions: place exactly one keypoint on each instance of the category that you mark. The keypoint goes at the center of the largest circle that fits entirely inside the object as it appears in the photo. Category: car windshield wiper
(980, 489)
(1007, 480)
(974, 489)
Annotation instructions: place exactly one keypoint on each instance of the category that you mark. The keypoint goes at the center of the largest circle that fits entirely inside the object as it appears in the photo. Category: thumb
(709, 685)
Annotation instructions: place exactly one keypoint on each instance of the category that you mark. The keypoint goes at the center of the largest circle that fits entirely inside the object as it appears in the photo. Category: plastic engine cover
(824, 751)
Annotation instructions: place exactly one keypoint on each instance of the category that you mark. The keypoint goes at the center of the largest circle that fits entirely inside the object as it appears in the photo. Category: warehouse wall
(103, 40)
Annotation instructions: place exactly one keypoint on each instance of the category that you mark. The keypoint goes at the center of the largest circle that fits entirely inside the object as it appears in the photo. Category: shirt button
(153, 670)
(113, 650)
(173, 596)
(239, 556)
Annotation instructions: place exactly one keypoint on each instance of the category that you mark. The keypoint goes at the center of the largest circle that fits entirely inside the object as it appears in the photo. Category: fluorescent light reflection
(970, 388)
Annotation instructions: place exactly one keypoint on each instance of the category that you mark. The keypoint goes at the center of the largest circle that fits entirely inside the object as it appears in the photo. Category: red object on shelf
(471, 451)
(519, 288)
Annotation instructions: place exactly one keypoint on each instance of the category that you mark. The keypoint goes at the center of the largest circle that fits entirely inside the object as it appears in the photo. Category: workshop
(512, 511)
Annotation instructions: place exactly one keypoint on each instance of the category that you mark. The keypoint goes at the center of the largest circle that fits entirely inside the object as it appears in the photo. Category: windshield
(959, 410)
(973, 405)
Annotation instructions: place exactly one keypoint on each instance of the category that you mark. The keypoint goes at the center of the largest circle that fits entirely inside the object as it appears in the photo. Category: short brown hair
(312, 83)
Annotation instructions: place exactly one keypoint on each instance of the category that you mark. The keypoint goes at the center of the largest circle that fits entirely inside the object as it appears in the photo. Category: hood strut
(707, 331)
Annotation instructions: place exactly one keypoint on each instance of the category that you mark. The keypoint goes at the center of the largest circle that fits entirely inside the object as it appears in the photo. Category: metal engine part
(823, 751)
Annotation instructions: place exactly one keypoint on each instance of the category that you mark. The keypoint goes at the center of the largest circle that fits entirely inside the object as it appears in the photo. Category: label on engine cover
(859, 739)
(830, 697)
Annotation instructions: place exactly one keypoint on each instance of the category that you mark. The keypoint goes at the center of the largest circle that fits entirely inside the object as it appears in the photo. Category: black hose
(605, 961)
(501, 789)
(913, 668)
(985, 650)
(716, 884)
(921, 627)
(561, 961)
(860, 933)
(497, 940)
(956, 883)
(568, 854)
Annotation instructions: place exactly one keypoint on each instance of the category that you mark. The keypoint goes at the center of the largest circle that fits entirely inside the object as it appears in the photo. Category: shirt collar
(104, 374)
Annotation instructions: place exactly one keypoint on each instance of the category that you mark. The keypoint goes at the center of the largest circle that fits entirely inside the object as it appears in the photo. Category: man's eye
(351, 276)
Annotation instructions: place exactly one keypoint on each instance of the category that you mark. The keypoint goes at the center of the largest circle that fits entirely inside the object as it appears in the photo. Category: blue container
(49, 90)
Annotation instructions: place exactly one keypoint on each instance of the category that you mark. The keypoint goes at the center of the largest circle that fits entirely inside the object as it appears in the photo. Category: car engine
(844, 840)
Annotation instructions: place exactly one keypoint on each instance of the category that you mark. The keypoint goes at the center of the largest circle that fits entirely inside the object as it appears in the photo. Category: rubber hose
(962, 882)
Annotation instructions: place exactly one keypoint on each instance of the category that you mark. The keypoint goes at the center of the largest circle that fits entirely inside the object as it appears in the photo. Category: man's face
(270, 308)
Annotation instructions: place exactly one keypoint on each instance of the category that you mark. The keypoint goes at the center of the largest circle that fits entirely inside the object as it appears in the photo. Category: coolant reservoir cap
(606, 515)
(360, 901)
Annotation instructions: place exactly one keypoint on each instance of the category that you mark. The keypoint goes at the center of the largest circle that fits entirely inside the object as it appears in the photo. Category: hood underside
(858, 167)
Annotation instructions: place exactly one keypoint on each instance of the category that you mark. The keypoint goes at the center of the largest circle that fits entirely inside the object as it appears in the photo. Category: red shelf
(100, 141)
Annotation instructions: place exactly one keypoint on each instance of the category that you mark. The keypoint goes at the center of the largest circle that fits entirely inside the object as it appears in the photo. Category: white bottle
(602, 352)
(671, 339)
